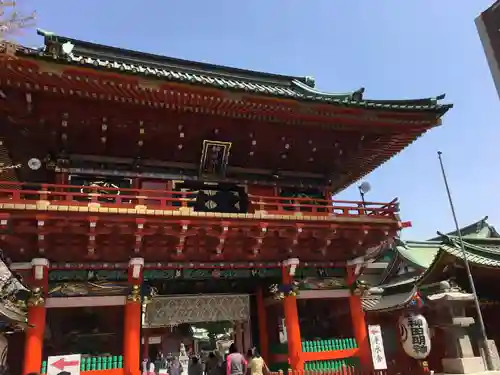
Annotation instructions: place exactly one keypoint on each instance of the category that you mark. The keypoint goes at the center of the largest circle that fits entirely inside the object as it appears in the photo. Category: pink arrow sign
(61, 364)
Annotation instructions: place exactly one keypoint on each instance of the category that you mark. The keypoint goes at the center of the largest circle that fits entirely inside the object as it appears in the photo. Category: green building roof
(481, 240)
(427, 258)
(72, 51)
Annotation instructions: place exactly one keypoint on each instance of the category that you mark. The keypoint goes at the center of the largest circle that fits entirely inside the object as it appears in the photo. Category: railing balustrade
(113, 365)
(342, 370)
(70, 195)
(347, 370)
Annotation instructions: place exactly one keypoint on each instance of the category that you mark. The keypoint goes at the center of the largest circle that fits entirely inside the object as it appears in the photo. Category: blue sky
(395, 49)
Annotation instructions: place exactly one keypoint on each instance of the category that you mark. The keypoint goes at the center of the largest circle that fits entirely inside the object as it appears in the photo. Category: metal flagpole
(487, 354)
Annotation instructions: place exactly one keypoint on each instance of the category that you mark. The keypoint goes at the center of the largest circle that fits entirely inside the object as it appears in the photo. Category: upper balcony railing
(112, 197)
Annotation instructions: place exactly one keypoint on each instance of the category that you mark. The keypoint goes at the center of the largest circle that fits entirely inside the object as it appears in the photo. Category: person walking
(195, 368)
(211, 364)
(175, 367)
(256, 364)
(236, 362)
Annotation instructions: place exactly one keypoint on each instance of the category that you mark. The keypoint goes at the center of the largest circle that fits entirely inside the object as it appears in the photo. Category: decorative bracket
(222, 238)
(41, 235)
(139, 235)
(182, 238)
(92, 235)
(136, 265)
(259, 239)
(293, 263)
(135, 294)
(39, 265)
(295, 239)
(36, 298)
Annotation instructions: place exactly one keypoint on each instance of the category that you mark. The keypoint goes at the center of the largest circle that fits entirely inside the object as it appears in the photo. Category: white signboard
(377, 347)
(415, 336)
(64, 364)
(283, 336)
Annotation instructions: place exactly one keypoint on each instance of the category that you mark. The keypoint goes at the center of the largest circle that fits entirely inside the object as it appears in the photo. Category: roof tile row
(72, 51)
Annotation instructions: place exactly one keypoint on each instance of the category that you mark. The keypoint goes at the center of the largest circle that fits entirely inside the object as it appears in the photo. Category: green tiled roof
(482, 248)
(170, 69)
(426, 255)
(388, 302)
(418, 254)
(476, 254)
(479, 229)
(482, 243)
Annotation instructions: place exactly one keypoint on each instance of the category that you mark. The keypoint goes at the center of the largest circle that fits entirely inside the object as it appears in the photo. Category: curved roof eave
(389, 302)
(174, 61)
(480, 228)
(479, 257)
(173, 69)
(310, 90)
(419, 254)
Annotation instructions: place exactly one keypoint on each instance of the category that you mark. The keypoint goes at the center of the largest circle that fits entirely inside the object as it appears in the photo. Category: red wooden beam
(181, 265)
(131, 90)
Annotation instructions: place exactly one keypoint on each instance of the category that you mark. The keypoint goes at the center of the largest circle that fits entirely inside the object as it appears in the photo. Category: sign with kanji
(377, 347)
(415, 336)
(283, 337)
(64, 364)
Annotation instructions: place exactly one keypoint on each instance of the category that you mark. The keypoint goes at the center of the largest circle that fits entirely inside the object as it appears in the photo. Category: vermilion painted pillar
(262, 319)
(292, 326)
(33, 347)
(359, 323)
(133, 320)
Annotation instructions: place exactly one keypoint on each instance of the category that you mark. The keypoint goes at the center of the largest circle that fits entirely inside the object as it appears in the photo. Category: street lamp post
(364, 188)
(487, 354)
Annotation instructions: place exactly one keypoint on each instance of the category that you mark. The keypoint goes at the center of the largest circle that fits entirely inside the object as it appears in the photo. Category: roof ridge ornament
(310, 81)
(45, 33)
(312, 91)
(481, 224)
(67, 48)
(445, 237)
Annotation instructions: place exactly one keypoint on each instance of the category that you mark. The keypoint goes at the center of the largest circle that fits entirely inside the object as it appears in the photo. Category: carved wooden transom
(164, 311)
